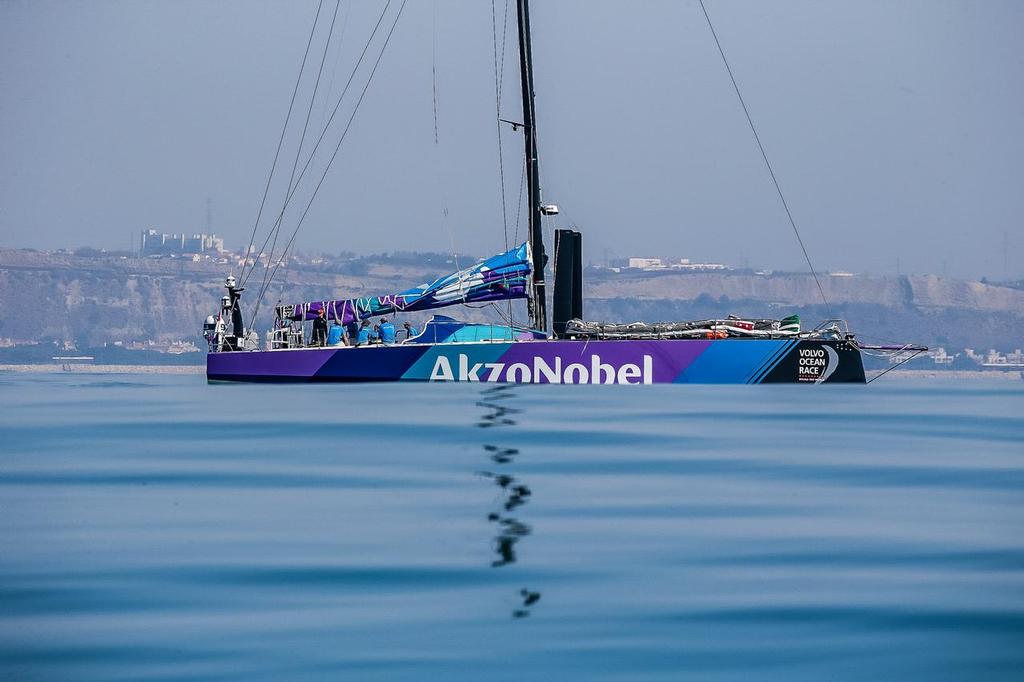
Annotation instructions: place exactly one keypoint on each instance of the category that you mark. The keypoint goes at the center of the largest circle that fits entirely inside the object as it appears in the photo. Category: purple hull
(724, 361)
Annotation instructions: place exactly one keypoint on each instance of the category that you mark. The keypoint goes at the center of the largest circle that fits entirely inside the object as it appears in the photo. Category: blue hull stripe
(730, 362)
(771, 363)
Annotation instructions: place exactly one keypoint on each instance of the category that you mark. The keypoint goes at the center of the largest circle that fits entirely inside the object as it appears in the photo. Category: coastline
(899, 374)
(105, 369)
(957, 374)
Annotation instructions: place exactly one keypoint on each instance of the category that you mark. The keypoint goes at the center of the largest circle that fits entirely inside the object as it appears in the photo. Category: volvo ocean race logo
(817, 364)
(597, 372)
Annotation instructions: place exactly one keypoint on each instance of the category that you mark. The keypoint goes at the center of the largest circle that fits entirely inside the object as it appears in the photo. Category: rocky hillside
(922, 291)
(97, 300)
(924, 309)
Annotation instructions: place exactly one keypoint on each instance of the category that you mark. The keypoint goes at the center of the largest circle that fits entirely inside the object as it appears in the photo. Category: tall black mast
(537, 303)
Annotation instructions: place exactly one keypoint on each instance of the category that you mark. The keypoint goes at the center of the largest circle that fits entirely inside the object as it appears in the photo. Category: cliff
(922, 291)
(97, 300)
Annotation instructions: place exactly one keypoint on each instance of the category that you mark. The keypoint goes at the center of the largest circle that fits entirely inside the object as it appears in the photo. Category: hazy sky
(895, 128)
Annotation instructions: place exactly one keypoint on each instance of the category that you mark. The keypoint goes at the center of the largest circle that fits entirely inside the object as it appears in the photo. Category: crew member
(386, 331)
(410, 331)
(363, 337)
(335, 334)
(352, 332)
(234, 296)
(319, 329)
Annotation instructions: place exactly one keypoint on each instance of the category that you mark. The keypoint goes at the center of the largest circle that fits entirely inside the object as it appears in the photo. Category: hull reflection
(514, 493)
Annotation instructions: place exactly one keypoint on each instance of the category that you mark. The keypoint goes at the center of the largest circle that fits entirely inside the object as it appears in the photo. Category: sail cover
(499, 278)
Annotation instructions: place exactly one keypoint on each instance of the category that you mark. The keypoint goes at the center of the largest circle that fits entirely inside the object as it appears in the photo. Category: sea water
(156, 527)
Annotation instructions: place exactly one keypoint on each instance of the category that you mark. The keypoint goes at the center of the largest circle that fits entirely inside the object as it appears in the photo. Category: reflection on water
(529, 599)
(514, 493)
(499, 414)
(171, 530)
(501, 455)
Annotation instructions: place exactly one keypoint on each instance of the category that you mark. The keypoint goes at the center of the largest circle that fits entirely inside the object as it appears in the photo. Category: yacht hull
(718, 361)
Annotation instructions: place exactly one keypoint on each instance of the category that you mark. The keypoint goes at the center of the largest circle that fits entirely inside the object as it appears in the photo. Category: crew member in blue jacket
(386, 331)
(363, 337)
(410, 331)
(335, 334)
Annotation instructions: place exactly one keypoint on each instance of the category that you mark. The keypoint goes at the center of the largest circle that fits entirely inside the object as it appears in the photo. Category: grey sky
(894, 127)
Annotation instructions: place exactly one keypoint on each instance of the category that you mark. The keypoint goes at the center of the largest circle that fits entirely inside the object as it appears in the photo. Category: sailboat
(561, 348)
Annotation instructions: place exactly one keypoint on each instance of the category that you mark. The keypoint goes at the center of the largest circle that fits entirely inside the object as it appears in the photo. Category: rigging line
(504, 37)
(519, 205)
(767, 163)
(323, 132)
(445, 224)
(433, 72)
(344, 133)
(499, 73)
(455, 253)
(511, 323)
(501, 83)
(284, 254)
(276, 230)
(892, 367)
(337, 61)
(280, 142)
(284, 279)
(327, 125)
(316, 87)
(497, 123)
(305, 127)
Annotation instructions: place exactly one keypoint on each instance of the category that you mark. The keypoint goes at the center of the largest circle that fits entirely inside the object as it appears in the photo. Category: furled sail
(499, 278)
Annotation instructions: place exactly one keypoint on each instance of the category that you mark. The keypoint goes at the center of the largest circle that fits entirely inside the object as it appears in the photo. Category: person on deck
(410, 331)
(352, 332)
(363, 337)
(319, 329)
(335, 334)
(386, 331)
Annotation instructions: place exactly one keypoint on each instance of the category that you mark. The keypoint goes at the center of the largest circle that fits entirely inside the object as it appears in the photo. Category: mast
(537, 303)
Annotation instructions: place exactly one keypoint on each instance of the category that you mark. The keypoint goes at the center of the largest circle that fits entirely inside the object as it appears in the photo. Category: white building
(646, 263)
(681, 264)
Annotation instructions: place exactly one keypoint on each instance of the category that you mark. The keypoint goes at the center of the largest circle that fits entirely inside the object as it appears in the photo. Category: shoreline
(959, 374)
(900, 374)
(104, 369)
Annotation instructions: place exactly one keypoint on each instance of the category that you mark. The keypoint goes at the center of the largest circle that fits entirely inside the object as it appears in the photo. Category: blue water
(155, 527)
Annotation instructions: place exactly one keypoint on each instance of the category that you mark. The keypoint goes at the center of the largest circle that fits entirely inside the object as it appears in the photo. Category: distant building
(685, 264)
(681, 264)
(158, 244)
(939, 356)
(996, 360)
(646, 263)
(172, 347)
